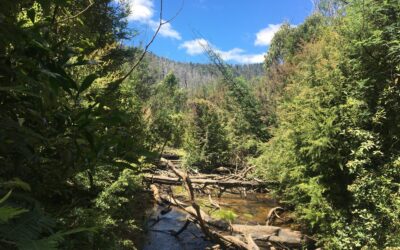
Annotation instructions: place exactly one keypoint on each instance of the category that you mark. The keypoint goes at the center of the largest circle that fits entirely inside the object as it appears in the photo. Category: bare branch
(118, 82)
(183, 228)
(177, 13)
(146, 48)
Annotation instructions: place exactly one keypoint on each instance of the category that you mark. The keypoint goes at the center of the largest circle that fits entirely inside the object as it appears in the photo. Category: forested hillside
(194, 75)
(87, 123)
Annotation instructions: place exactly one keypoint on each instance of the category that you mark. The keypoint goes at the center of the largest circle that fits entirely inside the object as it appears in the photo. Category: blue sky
(240, 31)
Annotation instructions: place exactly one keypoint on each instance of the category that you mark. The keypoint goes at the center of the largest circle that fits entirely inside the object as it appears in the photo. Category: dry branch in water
(272, 214)
(249, 237)
(161, 179)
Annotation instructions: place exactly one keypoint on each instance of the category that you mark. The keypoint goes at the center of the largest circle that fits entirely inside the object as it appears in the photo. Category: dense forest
(195, 75)
(83, 117)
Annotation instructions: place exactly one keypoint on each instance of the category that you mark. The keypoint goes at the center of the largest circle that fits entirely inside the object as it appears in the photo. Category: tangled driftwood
(160, 179)
(226, 235)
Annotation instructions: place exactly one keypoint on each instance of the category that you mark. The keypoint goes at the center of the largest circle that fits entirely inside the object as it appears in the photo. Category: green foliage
(205, 139)
(126, 185)
(225, 214)
(66, 120)
(238, 115)
(335, 149)
(117, 202)
(286, 43)
(330, 8)
(165, 113)
(79, 135)
(289, 40)
(246, 106)
(242, 99)
(24, 224)
(8, 212)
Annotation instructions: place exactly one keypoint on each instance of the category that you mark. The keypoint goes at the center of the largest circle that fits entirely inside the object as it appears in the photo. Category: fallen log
(249, 237)
(199, 215)
(264, 234)
(175, 181)
(255, 229)
(287, 242)
(250, 242)
(163, 199)
(237, 242)
(170, 156)
(206, 176)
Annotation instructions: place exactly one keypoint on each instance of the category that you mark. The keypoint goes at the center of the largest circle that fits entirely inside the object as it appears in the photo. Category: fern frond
(7, 213)
(16, 183)
(28, 226)
(48, 243)
(5, 197)
(51, 242)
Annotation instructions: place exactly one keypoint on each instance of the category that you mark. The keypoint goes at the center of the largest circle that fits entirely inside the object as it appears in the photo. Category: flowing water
(159, 238)
(252, 209)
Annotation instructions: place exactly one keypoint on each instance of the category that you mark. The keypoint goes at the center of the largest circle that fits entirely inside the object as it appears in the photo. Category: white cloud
(264, 36)
(143, 11)
(195, 47)
(166, 30)
(238, 55)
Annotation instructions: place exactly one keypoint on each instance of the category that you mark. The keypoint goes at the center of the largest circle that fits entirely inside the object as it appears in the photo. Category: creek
(252, 209)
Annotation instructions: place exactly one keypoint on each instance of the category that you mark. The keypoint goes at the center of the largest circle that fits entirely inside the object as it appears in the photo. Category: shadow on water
(159, 238)
(252, 209)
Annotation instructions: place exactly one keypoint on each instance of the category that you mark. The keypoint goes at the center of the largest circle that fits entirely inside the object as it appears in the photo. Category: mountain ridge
(192, 75)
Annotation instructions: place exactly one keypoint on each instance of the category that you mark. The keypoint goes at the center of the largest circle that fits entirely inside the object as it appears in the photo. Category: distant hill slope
(192, 75)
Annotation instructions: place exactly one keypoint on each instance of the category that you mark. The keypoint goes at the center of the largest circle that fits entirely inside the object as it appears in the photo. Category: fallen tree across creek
(201, 181)
(226, 235)
(160, 179)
